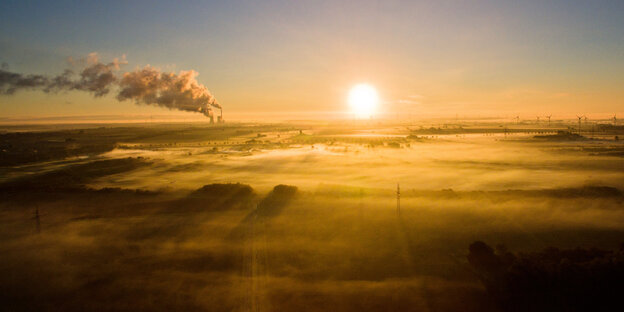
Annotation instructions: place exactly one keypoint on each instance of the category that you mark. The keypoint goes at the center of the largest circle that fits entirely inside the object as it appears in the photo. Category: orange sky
(280, 58)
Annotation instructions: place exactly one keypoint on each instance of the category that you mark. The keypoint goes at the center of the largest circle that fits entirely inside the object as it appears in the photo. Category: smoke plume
(143, 86)
(152, 87)
(96, 78)
(11, 82)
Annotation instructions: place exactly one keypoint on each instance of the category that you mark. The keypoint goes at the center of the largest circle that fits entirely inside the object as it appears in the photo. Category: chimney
(220, 117)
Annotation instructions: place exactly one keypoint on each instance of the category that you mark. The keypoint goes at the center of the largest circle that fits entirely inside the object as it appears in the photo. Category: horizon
(296, 116)
(313, 155)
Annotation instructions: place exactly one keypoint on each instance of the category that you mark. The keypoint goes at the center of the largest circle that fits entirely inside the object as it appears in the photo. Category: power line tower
(398, 194)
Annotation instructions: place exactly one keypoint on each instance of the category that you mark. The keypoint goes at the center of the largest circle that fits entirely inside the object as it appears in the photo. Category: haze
(311, 156)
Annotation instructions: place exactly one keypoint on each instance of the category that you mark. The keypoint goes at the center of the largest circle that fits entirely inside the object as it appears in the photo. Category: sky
(300, 58)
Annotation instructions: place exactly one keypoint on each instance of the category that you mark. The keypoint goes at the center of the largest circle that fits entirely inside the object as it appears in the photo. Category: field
(304, 216)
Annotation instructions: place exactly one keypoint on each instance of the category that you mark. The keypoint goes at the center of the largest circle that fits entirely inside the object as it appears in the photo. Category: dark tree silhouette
(550, 280)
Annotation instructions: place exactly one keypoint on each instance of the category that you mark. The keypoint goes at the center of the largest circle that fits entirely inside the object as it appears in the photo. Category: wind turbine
(579, 120)
(517, 119)
(614, 120)
(549, 119)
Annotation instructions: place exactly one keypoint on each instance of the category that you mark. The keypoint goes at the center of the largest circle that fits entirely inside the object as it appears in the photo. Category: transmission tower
(398, 194)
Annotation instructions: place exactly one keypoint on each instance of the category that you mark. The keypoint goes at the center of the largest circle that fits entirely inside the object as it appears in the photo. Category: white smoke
(153, 87)
(143, 86)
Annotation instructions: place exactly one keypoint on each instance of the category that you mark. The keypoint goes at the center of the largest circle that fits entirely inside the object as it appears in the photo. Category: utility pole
(37, 220)
(398, 193)
(361, 204)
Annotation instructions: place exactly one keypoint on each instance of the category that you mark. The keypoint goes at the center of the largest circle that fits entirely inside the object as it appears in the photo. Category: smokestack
(220, 118)
(207, 111)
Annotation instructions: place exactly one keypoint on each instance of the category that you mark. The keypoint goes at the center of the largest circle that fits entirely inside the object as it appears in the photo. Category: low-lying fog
(313, 226)
(458, 164)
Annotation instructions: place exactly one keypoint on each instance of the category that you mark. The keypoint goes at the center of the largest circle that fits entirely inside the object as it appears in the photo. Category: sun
(363, 100)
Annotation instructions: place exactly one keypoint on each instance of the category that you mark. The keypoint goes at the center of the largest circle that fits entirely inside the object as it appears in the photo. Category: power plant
(207, 110)
(219, 118)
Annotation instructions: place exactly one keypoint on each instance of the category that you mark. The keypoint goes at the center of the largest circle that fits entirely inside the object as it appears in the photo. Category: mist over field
(304, 216)
(311, 156)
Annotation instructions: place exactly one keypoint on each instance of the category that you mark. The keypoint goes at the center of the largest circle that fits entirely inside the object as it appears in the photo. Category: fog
(267, 217)
(481, 164)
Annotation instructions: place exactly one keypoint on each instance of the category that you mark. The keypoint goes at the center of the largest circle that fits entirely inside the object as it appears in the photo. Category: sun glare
(363, 100)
